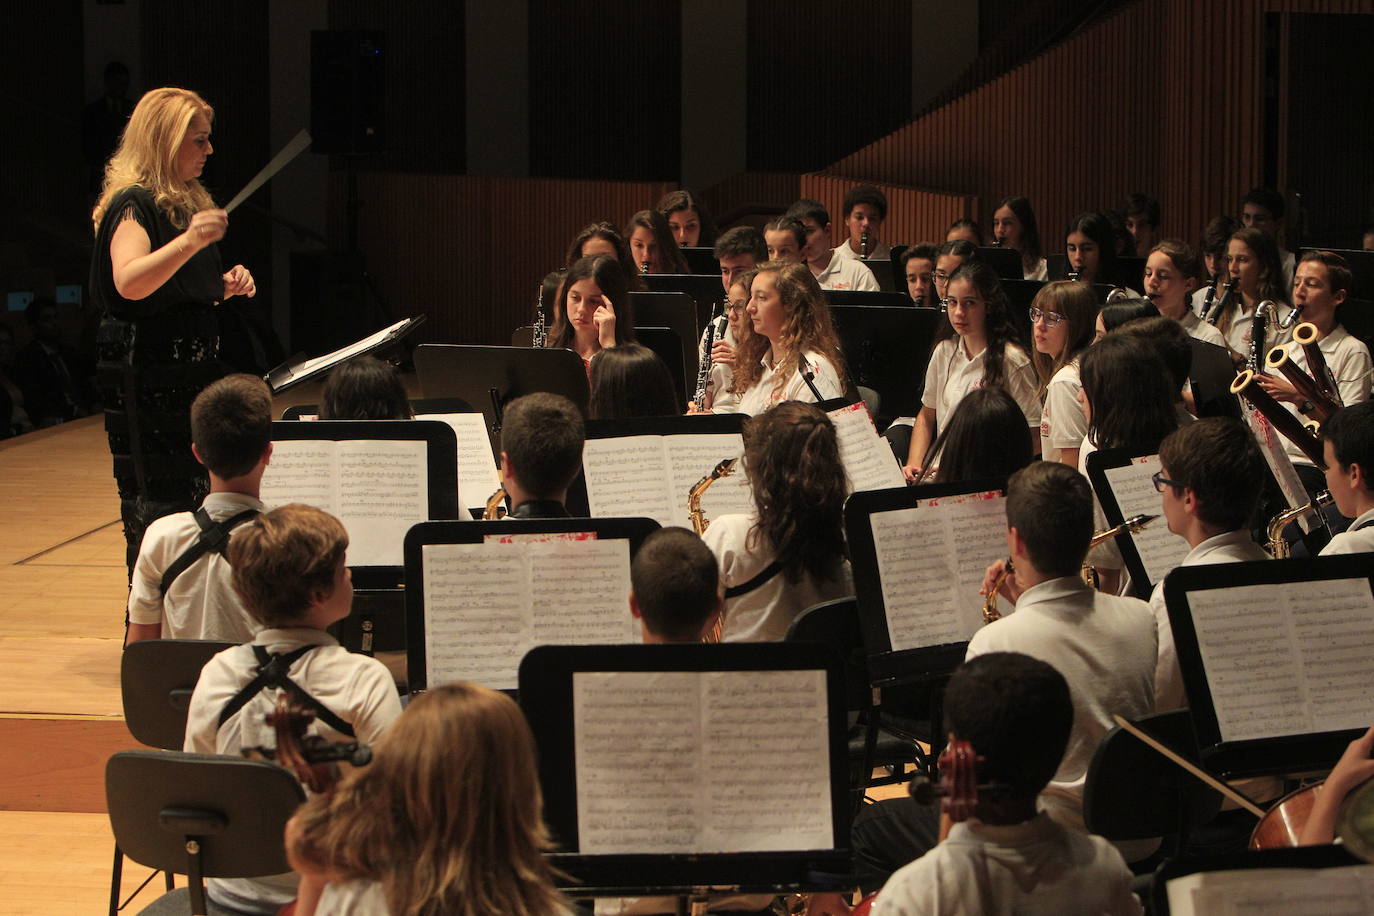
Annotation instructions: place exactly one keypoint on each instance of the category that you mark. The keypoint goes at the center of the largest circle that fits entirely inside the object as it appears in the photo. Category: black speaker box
(347, 115)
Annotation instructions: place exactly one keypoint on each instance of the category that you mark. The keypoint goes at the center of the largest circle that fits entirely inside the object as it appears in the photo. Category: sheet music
(1159, 548)
(344, 353)
(1339, 891)
(650, 476)
(931, 561)
(478, 477)
(1271, 444)
(668, 762)
(378, 488)
(486, 605)
(1287, 659)
(868, 460)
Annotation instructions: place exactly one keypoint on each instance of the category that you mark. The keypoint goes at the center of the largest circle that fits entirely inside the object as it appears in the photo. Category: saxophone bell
(495, 508)
(990, 612)
(1278, 546)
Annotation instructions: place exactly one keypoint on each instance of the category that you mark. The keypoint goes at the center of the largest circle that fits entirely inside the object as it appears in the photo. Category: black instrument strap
(214, 536)
(1363, 525)
(768, 572)
(272, 671)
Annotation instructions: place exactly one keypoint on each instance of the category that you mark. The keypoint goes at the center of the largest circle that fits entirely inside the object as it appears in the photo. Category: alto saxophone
(1132, 524)
(694, 511)
(495, 510)
(1277, 546)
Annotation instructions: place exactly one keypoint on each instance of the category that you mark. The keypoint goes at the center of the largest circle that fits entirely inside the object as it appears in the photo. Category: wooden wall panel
(471, 252)
(1165, 97)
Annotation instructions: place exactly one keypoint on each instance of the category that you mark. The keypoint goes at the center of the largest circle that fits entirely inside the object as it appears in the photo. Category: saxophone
(1277, 546)
(495, 510)
(694, 511)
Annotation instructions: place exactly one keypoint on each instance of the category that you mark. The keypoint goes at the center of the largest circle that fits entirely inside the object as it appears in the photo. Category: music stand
(705, 289)
(1211, 374)
(1117, 475)
(1314, 857)
(1357, 317)
(1005, 261)
(1130, 272)
(894, 258)
(300, 368)
(1361, 264)
(417, 406)
(490, 377)
(886, 348)
(701, 260)
(866, 297)
(1299, 694)
(676, 311)
(441, 455)
(552, 677)
(696, 425)
(1020, 295)
(892, 662)
(669, 346)
(634, 530)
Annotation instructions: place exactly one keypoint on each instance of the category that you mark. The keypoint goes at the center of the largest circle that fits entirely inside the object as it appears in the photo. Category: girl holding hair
(1171, 272)
(1062, 324)
(984, 438)
(1252, 259)
(652, 246)
(688, 220)
(447, 819)
(1013, 225)
(593, 309)
(629, 380)
(791, 336)
(789, 553)
(975, 347)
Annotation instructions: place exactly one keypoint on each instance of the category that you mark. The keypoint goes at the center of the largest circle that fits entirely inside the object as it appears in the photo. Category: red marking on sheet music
(542, 538)
(960, 498)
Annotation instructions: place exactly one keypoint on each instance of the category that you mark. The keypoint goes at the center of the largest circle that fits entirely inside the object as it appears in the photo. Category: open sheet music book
(486, 605)
(1286, 658)
(1339, 891)
(669, 761)
(651, 475)
(378, 488)
(1133, 491)
(478, 477)
(297, 370)
(931, 561)
(868, 459)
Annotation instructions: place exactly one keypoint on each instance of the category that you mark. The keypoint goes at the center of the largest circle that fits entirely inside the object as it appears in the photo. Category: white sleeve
(864, 279)
(145, 594)
(1021, 386)
(202, 716)
(1352, 374)
(375, 701)
(827, 377)
(930, 394)
(1068, 427)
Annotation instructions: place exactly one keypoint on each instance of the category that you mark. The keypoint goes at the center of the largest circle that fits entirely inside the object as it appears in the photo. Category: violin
(310, 758)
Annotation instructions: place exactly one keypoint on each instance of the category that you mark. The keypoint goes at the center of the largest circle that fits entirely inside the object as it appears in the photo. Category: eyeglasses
(941, 276)
(1051, 319)
(1159, 480)
(733, 307)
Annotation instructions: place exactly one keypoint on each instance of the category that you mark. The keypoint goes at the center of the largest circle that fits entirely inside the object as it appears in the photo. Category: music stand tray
(300, 368)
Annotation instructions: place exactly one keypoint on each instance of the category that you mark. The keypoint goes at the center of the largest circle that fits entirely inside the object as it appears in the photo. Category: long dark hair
(683, 199)
(604, 229)
(998, 327)
(364, 388)
(1030, 232)
(1130, 395)
(670, 259)
(630, 380)
(1097, 227)
(793, 458)
(986, 437)
(606, 272)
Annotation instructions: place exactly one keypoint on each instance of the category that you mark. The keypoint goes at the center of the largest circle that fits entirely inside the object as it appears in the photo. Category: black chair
(836, 624)
(1133, 792)
(202, 815)
(156, 677)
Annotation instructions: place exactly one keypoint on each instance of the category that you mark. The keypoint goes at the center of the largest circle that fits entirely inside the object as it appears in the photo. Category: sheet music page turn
(1160, 549)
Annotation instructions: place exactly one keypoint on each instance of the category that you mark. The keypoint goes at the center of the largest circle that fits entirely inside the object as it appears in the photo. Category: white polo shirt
(766, 393)
(1238, 336)
(1348, 359)
(1040, 272)
(1354, 539)
(1062, 423)
(951, 374)
(1201, 330)
(847, 273)
(879, 252)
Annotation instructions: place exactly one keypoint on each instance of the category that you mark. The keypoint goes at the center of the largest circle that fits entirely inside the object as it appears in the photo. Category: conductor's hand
(1279, 388)
(206, 226)
(604, 319)
(723, 354)
(1011, 590)
(239, 282)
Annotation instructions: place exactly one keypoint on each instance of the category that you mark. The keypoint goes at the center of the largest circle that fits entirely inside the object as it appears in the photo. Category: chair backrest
(235, 808)
(1133, 792)
(836, 623)
(156, 677)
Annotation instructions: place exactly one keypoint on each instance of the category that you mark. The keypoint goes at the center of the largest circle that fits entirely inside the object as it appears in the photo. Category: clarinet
(1073, 274)
(714, 329)
(863, 245)
(1224, 302)
(540, 329)
(809, 376)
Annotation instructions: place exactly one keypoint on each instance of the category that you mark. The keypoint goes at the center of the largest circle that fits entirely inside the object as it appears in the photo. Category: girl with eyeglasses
(1062, 318)
(976, 347)
(721, 396)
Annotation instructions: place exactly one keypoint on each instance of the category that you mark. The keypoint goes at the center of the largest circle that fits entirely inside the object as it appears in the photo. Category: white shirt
(1062, 423)
(847, 273)
(201, 602)
(764, 614)
(1230, 547)
(1238, 336)
(1201, 330)
(950, 375)
(1036, 868)
(1105, 647)
(1040, 272)
(1348, 359)
(765, 393)
(1352, 540)
(353, 898)
(356, 688)
(878, 252)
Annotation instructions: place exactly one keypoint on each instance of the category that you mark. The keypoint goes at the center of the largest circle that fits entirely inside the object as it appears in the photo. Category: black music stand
(417, 406)
(1020, 295)
(894, 266)
(705, 289)
(1005, 261)
(1357, 316)
(888, 666)
(1098, 463)
(678, 312)
(634, 530)
(695, 425)
(1211, 374)
(547, 697)
(300, 368)
(490, 377)
(1130, 272)
(441, 452)
(701, 260)
(670, 347)
(866, 297)
(1275, 749)
(886, 348)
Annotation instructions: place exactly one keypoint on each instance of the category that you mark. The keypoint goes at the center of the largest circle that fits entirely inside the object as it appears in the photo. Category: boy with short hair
(737, 250)
(831, 271)
(1210, 493)
(289, 572)
(181, 587)
(1263, 209)
(1017, 713)
(918, 266)
(1142, 222)
(541, 453)
(675, 588)
(1348, 443)
(865, 209)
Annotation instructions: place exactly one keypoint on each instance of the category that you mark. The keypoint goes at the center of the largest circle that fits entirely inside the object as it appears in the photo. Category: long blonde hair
(147, 155)
(447, 817)
(807, 326)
